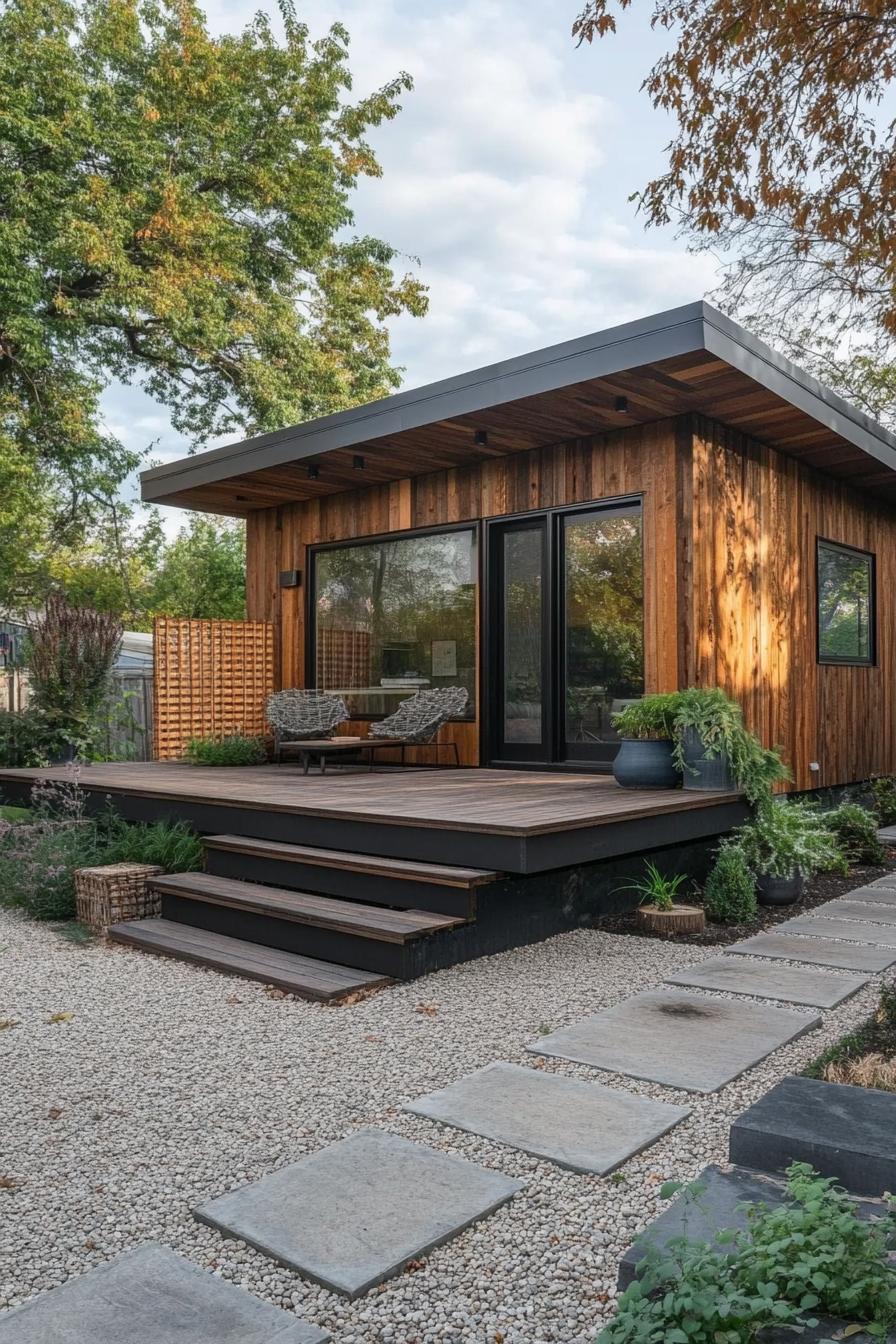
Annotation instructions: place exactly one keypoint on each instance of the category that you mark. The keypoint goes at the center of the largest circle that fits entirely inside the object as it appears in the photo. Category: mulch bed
(823, 888)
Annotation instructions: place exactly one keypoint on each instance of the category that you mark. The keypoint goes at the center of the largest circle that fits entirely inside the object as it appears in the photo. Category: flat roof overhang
(689, 359)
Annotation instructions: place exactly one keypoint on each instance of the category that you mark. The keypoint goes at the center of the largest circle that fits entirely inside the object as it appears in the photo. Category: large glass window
(394, 616)
(846, 604)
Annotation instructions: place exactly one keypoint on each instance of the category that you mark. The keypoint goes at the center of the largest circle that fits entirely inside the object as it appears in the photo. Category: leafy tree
(175, 212)
(784, 154)
(203, 572)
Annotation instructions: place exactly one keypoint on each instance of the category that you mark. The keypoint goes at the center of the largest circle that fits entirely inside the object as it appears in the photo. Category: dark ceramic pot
(702, 772)
(645, 763)
(778, 890)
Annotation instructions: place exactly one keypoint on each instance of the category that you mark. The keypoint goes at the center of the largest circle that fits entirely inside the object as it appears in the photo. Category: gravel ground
(169, 1085)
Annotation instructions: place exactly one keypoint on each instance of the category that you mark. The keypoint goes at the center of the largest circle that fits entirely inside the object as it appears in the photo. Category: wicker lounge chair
(299, 715)
(418, 719)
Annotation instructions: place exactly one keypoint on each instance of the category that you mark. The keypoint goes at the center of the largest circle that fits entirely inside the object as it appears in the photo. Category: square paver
(849, 907)
(815, 951)
(888, 880)
(765, 980)
(353, 1214)
(872, 895)
(584, 1126)
(683, 1040)
(852, 930)
(842, 1131)
(152, 1296)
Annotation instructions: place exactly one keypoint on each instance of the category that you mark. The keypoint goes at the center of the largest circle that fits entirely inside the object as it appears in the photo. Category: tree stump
(680, 919)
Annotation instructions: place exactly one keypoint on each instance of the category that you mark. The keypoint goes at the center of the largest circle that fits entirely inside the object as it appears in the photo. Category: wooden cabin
(664, 504)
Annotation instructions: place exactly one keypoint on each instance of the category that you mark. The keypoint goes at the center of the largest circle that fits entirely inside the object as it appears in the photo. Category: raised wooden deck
(514, 821)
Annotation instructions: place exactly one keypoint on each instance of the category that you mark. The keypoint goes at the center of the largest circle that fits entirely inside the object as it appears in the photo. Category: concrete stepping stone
(852, 930)
(872, 895)
(843, 1131)
(583, 1126)
(815, 951)
(152, 1296)
(825, 1329)
(765, 980)
(352, 1215)
(884, 912)
(679, 1039)
(887, 834)
(888, 879)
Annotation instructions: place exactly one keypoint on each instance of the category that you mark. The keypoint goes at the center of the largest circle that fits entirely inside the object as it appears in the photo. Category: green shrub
(813, 1254)
(235, 750)
(26, 739)
(883, 791)
(729, 896)
(172, 845)
(785, 838)
(38, 858)
(652, 716)
(855, 830)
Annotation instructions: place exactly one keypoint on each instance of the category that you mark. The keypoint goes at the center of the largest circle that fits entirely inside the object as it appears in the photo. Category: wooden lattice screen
(211, 679)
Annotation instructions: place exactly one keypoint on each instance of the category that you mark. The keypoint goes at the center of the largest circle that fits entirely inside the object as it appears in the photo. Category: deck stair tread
(301, 975)
(328, 912)
(403, 869)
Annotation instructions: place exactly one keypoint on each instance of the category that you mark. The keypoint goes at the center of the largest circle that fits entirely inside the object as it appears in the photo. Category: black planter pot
(66, 754)
(645, 763)
(702, 772)
(778, 890)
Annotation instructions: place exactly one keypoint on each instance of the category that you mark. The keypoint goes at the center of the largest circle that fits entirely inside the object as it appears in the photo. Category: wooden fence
(127, 717)
(211, 680)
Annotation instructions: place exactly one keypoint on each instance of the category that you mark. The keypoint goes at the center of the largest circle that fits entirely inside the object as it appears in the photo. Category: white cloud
(507, 173)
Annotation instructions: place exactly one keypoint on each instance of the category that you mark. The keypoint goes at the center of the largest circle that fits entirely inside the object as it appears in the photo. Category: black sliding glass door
(565, 635)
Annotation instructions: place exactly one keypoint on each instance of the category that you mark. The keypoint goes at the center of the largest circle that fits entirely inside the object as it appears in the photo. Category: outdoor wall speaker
(290, 578)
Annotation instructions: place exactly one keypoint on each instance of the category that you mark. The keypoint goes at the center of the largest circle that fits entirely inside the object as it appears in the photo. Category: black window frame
(834, 660)
(371, 539)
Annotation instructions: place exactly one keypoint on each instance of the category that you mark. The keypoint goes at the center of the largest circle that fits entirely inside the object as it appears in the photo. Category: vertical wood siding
(748, 602)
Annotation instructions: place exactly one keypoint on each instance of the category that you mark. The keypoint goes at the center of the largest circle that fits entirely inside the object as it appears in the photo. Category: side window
(846, 604)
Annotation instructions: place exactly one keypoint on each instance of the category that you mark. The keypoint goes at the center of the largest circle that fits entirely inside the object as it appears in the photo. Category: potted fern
(714, 749)
(657, 911)
(645, 759)
(783, 845)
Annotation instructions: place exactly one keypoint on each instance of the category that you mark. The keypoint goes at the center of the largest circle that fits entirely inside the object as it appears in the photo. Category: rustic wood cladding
(730, 590)
(637, 460)
(748, 603)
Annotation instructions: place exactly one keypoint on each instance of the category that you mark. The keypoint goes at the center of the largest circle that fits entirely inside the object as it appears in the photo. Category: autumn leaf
(59, 1017)
(427, 1009)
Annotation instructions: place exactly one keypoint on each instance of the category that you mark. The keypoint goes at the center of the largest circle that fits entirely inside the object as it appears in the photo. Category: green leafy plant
(655, 888)
(26, 739)
(653, 716)
(810, 1255)
(38, 857)
(718, 722)
(729, 896)
(172, 845)
(70, 653)
(785, 838)
(883, 791)
(855, 830)
(233, 750)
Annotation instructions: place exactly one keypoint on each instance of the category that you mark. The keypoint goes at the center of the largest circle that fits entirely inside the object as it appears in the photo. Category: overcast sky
(507, 173)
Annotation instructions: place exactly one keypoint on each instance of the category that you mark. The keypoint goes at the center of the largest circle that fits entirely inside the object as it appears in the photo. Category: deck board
(496, 802)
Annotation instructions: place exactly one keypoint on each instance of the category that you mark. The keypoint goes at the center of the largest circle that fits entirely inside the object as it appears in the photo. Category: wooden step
(405, 870)
(301, 907)
(305, 976)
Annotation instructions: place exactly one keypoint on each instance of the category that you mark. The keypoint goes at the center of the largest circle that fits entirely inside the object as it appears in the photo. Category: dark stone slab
(152, 1296)
(353, 1214)
(684, 1040)
(715, 1207)
(583, 1126)
(815, 951)
(842, 1131)
(827, 1328)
